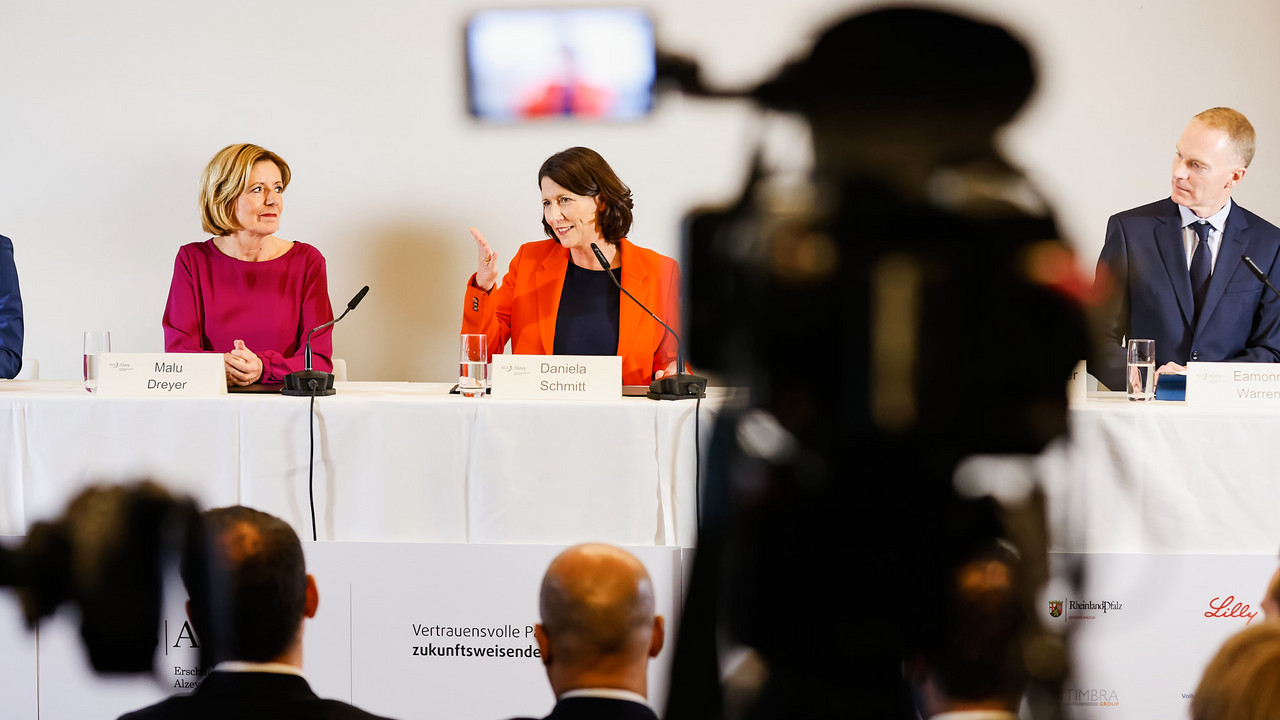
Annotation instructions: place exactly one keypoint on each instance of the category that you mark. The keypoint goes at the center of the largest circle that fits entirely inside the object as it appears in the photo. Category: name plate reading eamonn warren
(559, 377)
(1233, 384)
(161, 374)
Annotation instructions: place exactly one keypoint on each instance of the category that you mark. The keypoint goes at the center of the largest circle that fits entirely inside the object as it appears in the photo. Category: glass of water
(1142, 369)
(473, 365)
(96, 342)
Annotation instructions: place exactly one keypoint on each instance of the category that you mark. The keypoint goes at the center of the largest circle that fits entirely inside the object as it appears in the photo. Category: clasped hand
(242, 365)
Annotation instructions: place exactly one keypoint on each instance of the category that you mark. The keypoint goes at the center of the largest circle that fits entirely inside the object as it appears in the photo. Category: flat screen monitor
(576, 63)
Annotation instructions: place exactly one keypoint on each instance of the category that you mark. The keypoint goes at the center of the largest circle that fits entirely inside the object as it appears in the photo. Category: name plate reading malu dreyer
(560, 377)
(1231, 384)
(161, 374)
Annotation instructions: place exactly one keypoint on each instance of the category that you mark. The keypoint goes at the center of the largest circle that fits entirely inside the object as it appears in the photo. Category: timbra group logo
(1083, 609)
(1096, 697)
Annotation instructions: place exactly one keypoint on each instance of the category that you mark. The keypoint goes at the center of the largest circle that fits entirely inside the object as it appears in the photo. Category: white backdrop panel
(1144, 658)
(359, 647)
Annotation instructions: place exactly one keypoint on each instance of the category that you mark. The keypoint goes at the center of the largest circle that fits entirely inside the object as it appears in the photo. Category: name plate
(161, 374)
(559, 377)
(1078, 384)
(1228, 384)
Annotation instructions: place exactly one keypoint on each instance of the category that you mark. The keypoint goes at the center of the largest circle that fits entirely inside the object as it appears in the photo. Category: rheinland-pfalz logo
(1083, 609)
(1097, 697)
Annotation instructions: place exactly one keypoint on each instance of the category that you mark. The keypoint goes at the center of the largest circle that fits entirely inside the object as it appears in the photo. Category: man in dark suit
(1174, 270)
(597, 634)
(10, 313)
(249, 597)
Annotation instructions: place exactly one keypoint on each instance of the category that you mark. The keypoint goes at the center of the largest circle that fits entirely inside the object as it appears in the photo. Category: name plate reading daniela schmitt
(558, 377)
(1228, 384)
(161, 374)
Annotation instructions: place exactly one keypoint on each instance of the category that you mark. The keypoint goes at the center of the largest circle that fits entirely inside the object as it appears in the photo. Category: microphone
(673, 387)
(310, 382)
(1257, 271)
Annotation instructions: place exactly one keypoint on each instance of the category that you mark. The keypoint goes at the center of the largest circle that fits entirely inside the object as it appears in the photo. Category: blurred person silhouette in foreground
(881, 313)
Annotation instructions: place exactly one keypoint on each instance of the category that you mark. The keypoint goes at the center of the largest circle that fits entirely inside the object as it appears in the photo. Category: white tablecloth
(1162, 477)
(395, 462)
(406, 462)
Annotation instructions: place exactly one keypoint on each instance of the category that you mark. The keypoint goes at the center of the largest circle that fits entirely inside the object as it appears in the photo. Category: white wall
(109, 111)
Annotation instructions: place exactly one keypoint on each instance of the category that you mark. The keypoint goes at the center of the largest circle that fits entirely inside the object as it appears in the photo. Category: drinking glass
(473, 365)
(1142, 370)
(96, 342)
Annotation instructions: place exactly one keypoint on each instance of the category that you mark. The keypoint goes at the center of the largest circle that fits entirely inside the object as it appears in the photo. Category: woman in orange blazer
(556, 298)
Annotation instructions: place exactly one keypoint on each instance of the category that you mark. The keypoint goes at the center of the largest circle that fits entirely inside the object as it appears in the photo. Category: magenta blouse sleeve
(182, 312)
(316, 311)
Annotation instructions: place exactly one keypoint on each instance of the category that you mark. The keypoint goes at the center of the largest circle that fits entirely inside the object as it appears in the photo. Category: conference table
(408, 462)
(394, 461)
(1164, 477)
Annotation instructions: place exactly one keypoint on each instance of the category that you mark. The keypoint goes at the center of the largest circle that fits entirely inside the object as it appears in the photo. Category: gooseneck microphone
(308, 382)
(673, 387)
(1257, 271)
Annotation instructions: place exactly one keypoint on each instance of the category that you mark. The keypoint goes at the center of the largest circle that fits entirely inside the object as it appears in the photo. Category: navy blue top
(587, 321)
(11, 313)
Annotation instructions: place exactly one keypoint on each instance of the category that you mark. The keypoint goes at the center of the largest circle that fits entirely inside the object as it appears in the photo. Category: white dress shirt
(241, 666)
(608, 693)
(1217, 220)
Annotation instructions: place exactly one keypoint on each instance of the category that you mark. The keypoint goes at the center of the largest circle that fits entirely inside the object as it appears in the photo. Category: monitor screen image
(532, 64)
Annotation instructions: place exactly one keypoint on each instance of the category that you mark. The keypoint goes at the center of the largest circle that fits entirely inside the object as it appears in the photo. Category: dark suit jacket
(10, 313)
(590, 708)
(1145, 260)
(250, 696)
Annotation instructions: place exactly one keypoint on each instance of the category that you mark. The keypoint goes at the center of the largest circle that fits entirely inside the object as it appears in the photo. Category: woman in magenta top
(245, 292)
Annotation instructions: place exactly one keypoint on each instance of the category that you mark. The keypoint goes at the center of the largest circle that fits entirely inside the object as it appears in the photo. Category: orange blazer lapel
(548, 283)
(629, 313)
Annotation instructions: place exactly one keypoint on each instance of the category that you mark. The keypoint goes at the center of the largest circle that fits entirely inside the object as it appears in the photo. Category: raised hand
(487, 265)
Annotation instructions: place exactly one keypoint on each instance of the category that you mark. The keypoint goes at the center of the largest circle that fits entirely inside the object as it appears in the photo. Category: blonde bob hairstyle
(225, 179)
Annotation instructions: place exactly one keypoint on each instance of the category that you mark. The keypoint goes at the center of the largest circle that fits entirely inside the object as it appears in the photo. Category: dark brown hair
(582, 171)
(247, 581)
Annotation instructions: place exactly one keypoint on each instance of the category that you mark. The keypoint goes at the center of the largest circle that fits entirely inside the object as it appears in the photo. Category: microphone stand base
(305, 383)
(681, 386)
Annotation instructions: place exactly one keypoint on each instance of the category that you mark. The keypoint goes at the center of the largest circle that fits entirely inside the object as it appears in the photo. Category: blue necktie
(1201, 266)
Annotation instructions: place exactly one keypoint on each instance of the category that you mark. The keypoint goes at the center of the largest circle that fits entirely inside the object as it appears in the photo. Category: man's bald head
(597, 609)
